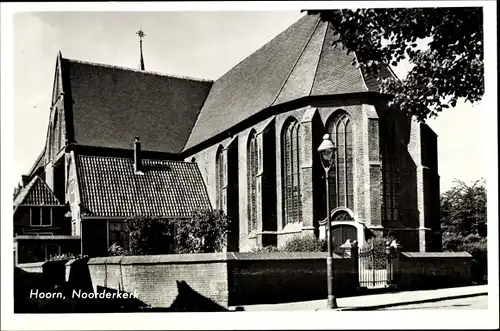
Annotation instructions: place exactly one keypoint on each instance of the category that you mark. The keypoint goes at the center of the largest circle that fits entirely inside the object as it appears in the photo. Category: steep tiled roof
(299, 62)
(36, 193)
(110, 187)
(112, 105)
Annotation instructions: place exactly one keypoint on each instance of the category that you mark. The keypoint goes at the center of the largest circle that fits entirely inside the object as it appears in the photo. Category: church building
(123, 142)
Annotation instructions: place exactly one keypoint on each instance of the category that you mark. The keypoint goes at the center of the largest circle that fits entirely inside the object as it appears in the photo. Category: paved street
(479, 302)
(477, 298)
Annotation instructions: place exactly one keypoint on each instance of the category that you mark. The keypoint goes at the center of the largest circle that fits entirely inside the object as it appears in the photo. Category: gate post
(355, 263)
(393, 267)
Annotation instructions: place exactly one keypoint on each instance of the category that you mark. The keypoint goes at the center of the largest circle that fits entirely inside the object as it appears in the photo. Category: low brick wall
(216, 281)
(281, 277)
(165, 280)
(52, 272)
(35, 267)
(434, 270)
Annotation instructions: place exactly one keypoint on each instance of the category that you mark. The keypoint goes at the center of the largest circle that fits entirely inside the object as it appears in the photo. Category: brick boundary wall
(434, 270)
(216, 281)
(34, 267)
(225, 279)
(52, 272)
(259, 278)
(159, 280)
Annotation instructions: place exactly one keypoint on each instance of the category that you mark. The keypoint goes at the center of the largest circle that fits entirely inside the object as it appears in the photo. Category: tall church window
(252, 168)
(341, 176)
(62, 138)
(390, 170)
(55, 141)
(58, 139)
(290, 149)
(219, 174)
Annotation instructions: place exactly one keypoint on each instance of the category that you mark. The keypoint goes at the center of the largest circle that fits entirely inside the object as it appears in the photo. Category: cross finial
(141, 34)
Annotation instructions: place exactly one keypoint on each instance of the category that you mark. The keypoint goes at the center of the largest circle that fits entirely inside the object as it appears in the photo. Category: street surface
(478, 302)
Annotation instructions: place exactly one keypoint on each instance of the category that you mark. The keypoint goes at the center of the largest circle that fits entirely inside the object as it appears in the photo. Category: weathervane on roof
(141, 35)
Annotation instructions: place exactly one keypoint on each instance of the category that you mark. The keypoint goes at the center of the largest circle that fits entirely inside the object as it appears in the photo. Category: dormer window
(40, 216)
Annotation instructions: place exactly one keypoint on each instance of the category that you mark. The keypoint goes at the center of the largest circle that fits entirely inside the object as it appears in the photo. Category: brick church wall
(365, 116)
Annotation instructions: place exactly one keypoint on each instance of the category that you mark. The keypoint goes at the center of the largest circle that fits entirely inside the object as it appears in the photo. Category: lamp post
(327, 151)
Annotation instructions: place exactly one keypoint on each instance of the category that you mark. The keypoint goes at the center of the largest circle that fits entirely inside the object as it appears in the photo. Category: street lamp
(327, 151)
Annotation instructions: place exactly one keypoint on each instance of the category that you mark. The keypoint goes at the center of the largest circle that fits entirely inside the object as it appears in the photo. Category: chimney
(25, 180)
(137, 155)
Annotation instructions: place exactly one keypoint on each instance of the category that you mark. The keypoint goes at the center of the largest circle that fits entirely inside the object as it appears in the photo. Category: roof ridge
(25, 190)
(130, 157)
(297, 60)
(156, 73)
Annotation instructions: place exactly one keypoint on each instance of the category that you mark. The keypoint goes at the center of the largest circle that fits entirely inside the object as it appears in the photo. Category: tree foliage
(450, 67)
(463, 223)
(463, 210)
(150, 236)
(306, 243)
(17, 189)
(204, 232)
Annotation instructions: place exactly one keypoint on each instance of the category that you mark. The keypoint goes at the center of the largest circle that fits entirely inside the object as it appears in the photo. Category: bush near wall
(307, 243)
(474, 245)
(205, 232)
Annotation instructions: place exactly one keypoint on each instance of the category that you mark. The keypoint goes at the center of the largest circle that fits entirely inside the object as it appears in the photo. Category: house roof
(111, 105)
(110, 187)
(36, 193)
(299, 62)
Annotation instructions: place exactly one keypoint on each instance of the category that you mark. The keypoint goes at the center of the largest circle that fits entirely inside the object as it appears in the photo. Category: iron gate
(375, 269)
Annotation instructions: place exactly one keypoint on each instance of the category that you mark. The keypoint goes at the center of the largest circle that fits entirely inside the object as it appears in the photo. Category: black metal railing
(375, 268)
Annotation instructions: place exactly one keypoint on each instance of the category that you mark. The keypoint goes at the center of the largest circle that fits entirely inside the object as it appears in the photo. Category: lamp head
(326, 151)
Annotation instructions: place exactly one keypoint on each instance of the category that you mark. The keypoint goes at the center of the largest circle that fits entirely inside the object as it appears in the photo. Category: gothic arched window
(390, 170)
(62, 138)
(55, 131)
(290, 151)
(341, 176)
(252, 169)
(219, 178)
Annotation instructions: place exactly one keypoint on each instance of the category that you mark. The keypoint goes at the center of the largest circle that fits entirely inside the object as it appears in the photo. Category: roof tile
(36, 193)
(110, 187)
(299, 62)
(112, 105)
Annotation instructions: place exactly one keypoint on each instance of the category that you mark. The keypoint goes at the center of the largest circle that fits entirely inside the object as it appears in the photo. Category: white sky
(197, 44)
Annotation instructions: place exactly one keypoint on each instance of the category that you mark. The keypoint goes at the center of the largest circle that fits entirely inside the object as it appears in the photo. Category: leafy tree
(149, 236)
(17, 189)
(463, 209)
(444, 46)
(463, 222)
(205, 232)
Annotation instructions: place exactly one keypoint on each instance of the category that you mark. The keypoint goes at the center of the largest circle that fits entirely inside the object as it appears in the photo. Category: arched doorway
(342, 232)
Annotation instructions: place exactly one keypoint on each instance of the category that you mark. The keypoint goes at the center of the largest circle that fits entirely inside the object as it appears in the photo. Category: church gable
(57, 88)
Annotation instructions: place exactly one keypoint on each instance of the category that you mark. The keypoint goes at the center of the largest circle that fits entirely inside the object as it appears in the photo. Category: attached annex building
(245, 143)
